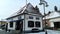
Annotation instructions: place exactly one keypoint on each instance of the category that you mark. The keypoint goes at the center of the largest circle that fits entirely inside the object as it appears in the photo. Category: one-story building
(27, 18)
(53, 20)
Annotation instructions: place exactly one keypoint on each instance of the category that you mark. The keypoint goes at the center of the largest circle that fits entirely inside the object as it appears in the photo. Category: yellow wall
(1, 23)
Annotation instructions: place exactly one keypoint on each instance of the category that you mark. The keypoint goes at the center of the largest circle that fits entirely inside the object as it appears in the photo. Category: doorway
(19, 25)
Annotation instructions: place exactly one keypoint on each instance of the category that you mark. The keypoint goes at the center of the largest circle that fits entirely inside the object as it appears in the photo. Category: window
(37, 24)
(19, 17)
(37, 18)
(30, 24)
(30, 17)
(56, 24)
(11, 24)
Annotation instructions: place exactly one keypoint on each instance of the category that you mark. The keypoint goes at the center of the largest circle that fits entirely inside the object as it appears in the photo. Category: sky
(8, 7)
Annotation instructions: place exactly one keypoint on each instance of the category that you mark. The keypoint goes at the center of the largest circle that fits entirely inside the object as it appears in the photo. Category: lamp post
(44, 3)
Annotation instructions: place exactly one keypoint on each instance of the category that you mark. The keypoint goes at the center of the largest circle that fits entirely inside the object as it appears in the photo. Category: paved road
(4, 32)
(53, 32)
(49, 32)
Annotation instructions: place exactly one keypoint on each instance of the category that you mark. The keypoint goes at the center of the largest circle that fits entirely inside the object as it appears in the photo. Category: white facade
(14, 23)
(34, 19)
(11, 28)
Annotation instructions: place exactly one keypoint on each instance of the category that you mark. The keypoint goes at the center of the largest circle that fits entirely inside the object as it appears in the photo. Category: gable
(26, 9)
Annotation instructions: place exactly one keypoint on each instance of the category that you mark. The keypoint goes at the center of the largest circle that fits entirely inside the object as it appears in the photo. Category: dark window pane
(30, 24)
(17, 25)
(37, 18)
(30, 17)
(57, 24)
(19, 17)
(11, 24)
(37, 24)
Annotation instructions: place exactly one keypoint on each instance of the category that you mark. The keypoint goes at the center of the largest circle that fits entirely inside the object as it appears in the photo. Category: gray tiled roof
(27, 8)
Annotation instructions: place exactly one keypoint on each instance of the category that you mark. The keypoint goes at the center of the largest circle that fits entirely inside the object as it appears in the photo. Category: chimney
(55, 8)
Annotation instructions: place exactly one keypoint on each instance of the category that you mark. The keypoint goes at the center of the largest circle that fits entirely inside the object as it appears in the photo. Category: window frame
(29, 23)
(37, 25)
(30, 17)
(19, 17)
(37, 18)
(11, 24)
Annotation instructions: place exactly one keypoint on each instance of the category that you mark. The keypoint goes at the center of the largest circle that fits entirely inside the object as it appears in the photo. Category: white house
(54, 19)
(26, 19)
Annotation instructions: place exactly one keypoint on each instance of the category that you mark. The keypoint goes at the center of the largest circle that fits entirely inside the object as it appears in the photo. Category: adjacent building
(53, 19)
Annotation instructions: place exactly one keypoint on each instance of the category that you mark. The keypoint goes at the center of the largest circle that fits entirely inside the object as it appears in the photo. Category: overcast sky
(8, 7)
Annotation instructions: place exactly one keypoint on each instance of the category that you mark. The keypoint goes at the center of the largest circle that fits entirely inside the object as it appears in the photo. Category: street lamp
(44, 3)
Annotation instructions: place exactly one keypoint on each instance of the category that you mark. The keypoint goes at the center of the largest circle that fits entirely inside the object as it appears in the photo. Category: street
(53, 32)
(49, 32)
